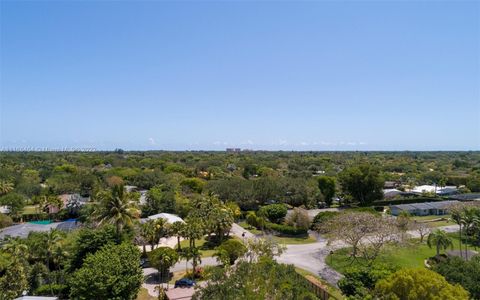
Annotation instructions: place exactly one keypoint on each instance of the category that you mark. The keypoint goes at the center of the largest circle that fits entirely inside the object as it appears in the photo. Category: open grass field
(409, 256)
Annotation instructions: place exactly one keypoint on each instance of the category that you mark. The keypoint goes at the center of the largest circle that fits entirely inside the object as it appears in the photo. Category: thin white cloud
(152, 141)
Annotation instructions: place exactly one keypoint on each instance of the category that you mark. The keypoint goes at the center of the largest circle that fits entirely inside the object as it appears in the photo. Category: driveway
(151, 279)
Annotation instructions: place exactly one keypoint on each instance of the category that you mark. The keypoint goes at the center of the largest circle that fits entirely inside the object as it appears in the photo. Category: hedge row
(286, 229)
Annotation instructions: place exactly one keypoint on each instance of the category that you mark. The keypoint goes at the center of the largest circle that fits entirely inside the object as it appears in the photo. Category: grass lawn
(410, 256)
(30, 210)
(331, 289)
(144, 295)
(206, 252)
(294, 240)
(443, 220)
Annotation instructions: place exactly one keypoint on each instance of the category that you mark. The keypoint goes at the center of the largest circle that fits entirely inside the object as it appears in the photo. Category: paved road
(238, 230)
(310, 257)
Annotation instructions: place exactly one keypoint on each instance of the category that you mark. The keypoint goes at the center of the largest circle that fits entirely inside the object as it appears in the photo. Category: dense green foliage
(362, 183)
(263, 280)
(413, 284)
(465, 273)
(286, 229)
(360, 281)
(273, 212)
(231, 250)
(111, 273)
(327, 187)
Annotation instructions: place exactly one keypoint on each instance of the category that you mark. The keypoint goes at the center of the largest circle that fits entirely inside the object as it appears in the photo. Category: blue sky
(261, 75)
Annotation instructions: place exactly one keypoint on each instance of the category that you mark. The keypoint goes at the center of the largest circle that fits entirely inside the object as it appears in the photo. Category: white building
(439, 190)
(170, 218)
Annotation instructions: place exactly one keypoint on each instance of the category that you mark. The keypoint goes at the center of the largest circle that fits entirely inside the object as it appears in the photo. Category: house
(4, 209)
(68, 200)
(434, 189)
(391, 193)
(22, 230)
(423, 209)
(170, 218)
(390, 185)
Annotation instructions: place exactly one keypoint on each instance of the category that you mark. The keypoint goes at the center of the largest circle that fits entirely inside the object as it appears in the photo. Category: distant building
(391, 193)
(423, 209)
(234, 150)
(439, 190)
(4, 209)
(390, 185)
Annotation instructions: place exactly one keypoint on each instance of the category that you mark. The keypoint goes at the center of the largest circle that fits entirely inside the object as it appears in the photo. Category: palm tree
(162, 259)
(440, 239)
(458, 219)
(154, 230)
(178, 229)
(194, 230)
(5, 187)
(468, 218)
(116, 207)
(53, 240)
(16, 248)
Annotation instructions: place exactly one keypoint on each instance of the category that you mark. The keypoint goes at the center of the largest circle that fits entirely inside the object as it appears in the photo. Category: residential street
(310, 257)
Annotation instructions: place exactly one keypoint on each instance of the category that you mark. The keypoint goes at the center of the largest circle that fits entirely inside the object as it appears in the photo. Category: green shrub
(322, 218)
(285, 229)
(359, 281)
(60, 290)
(466, 273)
(273, 212)
(233, 249)
(5, 221)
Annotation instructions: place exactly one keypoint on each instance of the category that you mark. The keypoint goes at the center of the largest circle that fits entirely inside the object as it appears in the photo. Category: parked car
(184, 282)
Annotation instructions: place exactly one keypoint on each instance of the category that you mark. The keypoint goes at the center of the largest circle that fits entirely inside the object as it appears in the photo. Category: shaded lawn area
(331, 289)
(205, 248)
(412, 255)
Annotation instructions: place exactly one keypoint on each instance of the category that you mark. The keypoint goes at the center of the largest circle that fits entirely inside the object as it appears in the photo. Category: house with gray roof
(423, 209)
